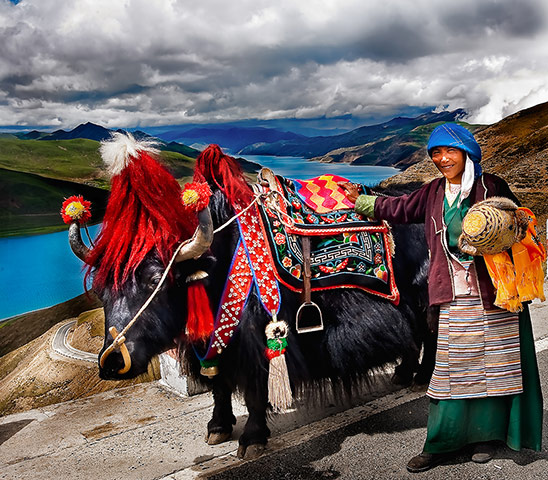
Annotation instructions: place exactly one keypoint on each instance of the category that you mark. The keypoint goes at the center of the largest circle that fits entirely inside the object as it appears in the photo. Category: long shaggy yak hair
(213, 166)
(144, 212)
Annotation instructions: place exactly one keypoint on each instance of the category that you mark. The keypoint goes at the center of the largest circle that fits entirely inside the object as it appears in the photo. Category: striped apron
(478, 351)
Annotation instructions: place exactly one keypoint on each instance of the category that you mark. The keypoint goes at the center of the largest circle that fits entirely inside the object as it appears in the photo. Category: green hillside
(36, 176)
(76, 160)
(30, 204)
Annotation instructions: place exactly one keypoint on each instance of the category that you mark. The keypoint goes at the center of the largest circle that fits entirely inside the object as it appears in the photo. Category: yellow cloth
(519, 278)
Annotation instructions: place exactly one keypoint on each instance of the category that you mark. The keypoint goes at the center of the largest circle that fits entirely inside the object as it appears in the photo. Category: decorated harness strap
(262, 268)
(233, 300)
(250, 266)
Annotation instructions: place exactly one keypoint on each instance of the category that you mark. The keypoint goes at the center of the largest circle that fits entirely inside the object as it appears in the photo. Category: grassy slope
(30, 204)
(36, 176)
(75, 160)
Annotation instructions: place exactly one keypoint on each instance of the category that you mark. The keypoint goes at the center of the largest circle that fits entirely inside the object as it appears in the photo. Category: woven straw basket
(492, 226)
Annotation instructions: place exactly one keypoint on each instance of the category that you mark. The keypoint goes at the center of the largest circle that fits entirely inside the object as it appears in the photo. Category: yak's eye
(154, 280)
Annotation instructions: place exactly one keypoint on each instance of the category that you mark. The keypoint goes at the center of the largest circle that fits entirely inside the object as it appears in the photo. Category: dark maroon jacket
(426, 206)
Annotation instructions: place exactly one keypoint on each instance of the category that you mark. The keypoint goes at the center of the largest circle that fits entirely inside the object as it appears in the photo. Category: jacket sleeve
(410, 208)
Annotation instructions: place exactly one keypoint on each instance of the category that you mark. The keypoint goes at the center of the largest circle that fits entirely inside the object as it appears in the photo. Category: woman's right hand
(350, 190)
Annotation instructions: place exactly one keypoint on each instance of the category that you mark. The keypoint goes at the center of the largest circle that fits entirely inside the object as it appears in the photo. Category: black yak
(142, 228)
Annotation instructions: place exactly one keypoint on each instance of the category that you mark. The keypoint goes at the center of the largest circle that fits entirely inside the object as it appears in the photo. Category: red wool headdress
(144, 212)
(224, 171)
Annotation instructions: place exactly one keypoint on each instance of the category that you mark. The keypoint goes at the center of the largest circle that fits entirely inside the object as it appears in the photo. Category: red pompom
(195, 196)
(76, 209)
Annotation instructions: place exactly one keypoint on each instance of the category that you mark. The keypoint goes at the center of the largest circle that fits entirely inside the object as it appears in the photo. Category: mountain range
(231, 138)
(391, 143)
(386, 143)
(92, 131)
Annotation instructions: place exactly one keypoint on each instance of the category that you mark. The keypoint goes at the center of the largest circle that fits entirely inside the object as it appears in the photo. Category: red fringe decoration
(213, 166)
(199, 323)
(144, 212)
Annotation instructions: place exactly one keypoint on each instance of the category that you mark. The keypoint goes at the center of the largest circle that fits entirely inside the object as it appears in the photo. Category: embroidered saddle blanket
(347, 250)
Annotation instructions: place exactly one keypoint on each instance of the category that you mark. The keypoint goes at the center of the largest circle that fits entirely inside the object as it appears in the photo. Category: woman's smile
(450, 162)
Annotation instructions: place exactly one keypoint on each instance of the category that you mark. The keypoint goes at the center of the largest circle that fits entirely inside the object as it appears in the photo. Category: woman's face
(450, 162)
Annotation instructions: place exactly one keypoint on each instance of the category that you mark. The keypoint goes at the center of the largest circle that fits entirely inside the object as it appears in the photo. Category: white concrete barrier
(172, 377)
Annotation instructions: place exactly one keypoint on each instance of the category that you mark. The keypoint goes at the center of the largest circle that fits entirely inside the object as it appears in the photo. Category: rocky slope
(34, 376)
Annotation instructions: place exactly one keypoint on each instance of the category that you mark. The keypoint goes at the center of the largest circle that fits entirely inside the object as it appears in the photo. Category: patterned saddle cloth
(347, 250)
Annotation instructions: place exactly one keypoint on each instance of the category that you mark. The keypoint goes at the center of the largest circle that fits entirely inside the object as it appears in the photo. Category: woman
(485, 385)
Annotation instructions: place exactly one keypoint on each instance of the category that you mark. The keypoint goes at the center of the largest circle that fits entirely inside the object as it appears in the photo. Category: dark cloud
(519, 19)
(123, 63)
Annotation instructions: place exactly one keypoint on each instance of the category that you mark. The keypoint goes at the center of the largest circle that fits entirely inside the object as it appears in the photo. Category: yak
(139, 253)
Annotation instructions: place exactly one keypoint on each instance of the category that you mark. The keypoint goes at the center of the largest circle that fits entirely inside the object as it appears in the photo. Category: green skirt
(513, 419)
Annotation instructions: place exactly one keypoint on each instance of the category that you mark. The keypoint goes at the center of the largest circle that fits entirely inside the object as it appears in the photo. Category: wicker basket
(492, 226)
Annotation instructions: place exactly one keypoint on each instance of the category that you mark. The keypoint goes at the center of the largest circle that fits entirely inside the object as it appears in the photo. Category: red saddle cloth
(348, 250)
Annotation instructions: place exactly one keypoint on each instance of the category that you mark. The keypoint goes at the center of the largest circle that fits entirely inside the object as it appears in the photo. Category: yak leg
(219, 428)
(254, 438)
(426, 337)
(426, 367)
(430, 338)
(403, 373)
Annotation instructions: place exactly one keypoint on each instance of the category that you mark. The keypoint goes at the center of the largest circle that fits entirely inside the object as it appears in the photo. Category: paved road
(60, 345)
(376, 442)
(147, 432)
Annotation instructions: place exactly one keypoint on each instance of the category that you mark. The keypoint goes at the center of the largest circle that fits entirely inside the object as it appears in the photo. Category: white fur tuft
(121, 149)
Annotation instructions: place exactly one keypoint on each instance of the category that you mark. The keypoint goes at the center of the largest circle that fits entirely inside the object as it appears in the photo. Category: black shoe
(425, 461)
(483, 452)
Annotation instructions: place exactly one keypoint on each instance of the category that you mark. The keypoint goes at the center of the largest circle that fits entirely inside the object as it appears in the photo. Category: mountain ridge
(229, 137)
(372, 137)
(98, 133)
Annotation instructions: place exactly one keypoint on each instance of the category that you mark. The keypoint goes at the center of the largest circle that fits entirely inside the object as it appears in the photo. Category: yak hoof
(418, 387)
(401, 380)
(216, 438)
(251, 452)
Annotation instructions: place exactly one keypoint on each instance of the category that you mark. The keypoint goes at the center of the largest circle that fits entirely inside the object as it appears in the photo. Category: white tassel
(119, 151)
(279, 389)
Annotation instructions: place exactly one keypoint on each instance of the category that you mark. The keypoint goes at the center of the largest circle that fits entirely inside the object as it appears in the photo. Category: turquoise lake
(40, 271)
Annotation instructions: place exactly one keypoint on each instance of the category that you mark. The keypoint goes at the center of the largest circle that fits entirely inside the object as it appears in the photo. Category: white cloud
(133, 62)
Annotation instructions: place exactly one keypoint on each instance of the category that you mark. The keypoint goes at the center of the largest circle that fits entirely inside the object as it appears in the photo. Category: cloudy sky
(125, 63)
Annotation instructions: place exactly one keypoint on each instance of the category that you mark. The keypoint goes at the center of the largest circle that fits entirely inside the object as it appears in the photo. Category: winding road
(60, 345)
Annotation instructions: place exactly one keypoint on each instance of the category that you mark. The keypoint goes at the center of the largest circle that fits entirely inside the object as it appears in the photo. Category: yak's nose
(113, 364)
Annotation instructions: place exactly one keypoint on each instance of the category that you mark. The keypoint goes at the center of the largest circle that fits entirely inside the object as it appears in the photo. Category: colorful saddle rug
(347, 250)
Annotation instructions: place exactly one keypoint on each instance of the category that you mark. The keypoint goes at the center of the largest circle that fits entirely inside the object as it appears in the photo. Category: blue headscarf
(453, 135)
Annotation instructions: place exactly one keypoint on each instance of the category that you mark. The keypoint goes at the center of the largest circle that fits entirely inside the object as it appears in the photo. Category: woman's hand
(350, 190)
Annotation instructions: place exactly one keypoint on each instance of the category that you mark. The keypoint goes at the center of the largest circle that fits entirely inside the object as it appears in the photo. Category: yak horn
(200, 241)
(76, 244)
